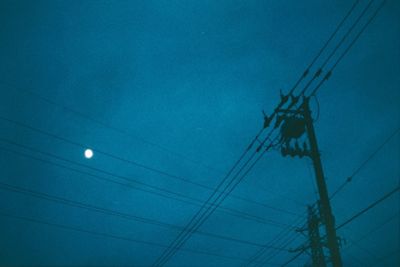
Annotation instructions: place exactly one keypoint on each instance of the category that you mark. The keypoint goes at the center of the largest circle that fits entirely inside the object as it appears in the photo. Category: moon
(88, 153)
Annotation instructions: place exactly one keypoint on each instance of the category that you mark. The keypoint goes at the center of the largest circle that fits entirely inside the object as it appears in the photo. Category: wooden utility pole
(296, 123)
(325, 208)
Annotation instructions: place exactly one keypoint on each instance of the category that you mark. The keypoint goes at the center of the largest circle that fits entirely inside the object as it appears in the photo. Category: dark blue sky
(180, 86)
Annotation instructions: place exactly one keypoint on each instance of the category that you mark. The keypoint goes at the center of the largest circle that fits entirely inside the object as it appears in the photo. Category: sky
(168, 95)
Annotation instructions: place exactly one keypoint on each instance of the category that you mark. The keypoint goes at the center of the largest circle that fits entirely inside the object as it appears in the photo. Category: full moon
(88, 153)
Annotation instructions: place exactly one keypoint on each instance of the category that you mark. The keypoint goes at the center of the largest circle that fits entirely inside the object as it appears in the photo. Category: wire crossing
(177, 243)
(127, 182)
(262, 143)
(355, 216)
(364, 163)
(346, 35)
(112, 236)
(127, 216)
(137, 164)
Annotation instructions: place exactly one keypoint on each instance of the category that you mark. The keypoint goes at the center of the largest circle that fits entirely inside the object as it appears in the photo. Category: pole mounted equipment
(298, 123)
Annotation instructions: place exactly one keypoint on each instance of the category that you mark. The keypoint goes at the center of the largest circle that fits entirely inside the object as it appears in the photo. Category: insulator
(328, 75)
(267, 121)
(284, 98)
(292, 152)
(250, 146)
(295, 99)
(305, 146)
(283, 151)
(297, 147)
(259, 148)
(319, 71)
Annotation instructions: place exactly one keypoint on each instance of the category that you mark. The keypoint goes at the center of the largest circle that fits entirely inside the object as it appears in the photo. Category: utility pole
(325, 208)
(317, 252)
(296, 123)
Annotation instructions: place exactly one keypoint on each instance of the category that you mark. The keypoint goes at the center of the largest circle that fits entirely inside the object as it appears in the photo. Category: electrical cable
(377, 227)
(293, 258)
(200, 216)
(274, 241)
(372, 205)
(108, 126)
(166, 174)
(267, 259)
(215, 206)
(337, 47)
(312, 63)
(107, 235)
(275, 110)
(127, 216)
(329, 73)
(317, 56)
(369, 207)
(364, 163)
(186, 199)
(336, 63)
(339, 44)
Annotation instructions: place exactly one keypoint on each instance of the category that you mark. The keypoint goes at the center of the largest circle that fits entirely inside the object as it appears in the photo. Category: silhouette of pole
(326, 211)
(317, 252)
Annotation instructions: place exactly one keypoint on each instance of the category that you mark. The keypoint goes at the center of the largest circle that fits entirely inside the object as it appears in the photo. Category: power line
(371, 231)
(162, 148)
(339, 44)
(361, 212)
(93, 208)
(293, 258)
(314, 60)
(336, 63)
(239, 172)
(174, 248)
(184, 239)
(161, 172)
(320, 69)
(335, 32)
(58, 164)
(365, 162)
(214, 206)
(355, 216)
(199, 218)
(108, 126)
(209, 207)
(285, 244)
(329, 73)
(336, 48)
(372, 205)
(113, 236)
(378, 227)
(186, 199)
(360, 33)
(109, 173)
(275, 240)
(363, 249)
